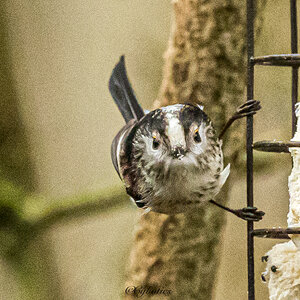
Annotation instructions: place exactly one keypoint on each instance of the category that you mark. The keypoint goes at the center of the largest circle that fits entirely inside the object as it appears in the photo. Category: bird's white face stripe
(175, 131)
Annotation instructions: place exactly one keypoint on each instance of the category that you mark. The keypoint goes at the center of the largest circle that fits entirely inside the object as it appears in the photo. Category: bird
(170, 159)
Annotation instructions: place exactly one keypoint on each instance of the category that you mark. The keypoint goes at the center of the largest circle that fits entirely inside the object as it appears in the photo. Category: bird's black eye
(274, 269)
(155, 143)
(197, 137)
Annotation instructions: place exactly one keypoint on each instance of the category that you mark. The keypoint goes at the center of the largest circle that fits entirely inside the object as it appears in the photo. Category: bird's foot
(248, 108)
(249, 214)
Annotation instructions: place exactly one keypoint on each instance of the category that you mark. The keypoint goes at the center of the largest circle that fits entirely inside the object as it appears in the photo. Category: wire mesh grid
(289, 60)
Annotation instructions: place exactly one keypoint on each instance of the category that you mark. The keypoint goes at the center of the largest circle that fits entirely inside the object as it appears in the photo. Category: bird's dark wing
(121, 148)
(117, 144)
(123, 94)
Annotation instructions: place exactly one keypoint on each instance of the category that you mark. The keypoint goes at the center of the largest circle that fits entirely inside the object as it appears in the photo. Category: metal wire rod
(250, 95)
(294, 48)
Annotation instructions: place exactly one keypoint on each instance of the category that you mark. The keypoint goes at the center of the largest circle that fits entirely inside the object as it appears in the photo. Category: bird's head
(176, 135)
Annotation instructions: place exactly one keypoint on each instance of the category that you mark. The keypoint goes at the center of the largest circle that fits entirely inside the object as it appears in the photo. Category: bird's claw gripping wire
(249, 214)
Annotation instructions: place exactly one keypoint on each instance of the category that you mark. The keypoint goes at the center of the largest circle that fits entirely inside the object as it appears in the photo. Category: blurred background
(57, 57)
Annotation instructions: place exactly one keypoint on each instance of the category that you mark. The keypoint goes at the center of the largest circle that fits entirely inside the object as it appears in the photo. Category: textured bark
(205, 63)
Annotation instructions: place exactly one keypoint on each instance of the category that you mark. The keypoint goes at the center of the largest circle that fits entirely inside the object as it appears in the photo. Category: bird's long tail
(123, 94)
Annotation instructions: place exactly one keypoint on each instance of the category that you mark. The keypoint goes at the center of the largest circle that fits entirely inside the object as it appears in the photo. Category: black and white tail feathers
(123, 94)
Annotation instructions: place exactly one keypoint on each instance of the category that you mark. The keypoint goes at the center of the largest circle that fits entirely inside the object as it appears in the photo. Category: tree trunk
(205, 63)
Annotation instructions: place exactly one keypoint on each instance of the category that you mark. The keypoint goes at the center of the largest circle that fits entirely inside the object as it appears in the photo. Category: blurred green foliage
(11, 196)
(15, 161)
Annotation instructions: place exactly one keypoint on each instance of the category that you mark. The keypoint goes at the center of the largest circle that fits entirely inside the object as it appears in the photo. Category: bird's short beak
(178, 152)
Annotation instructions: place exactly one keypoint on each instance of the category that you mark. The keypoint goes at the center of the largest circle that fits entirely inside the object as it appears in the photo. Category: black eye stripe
(192, 114)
